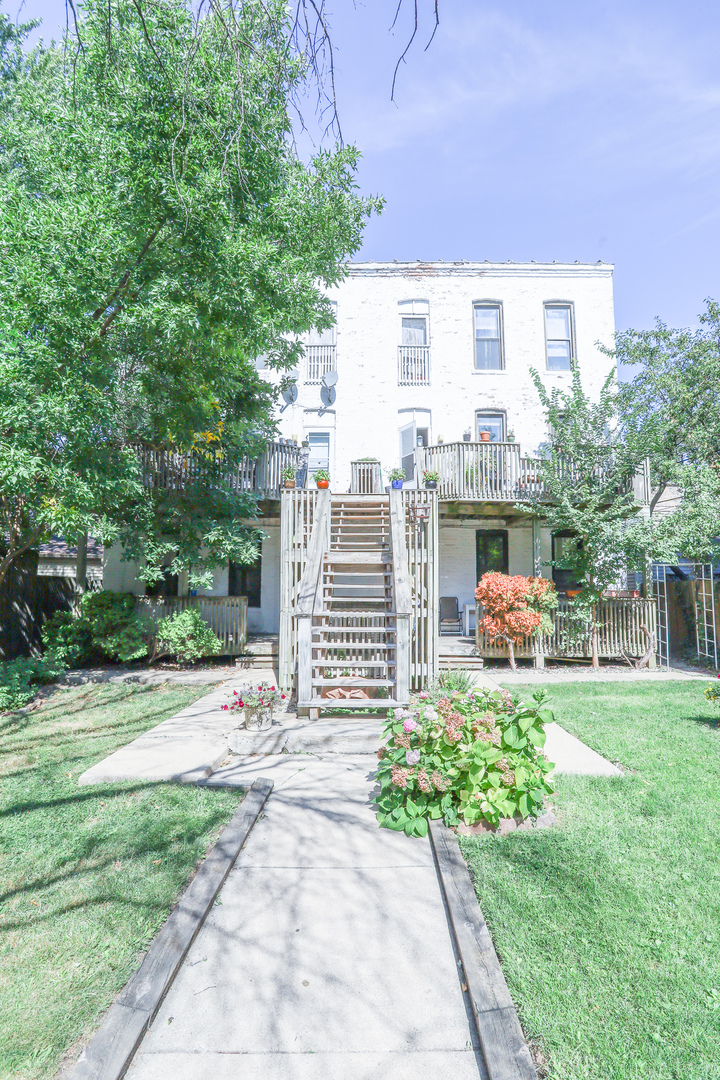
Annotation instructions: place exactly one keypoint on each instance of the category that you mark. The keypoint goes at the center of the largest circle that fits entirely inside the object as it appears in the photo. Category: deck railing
(625, 628)
(495, 472)
(225, 615)
(319, 359)
(413, 365)
(169, 470)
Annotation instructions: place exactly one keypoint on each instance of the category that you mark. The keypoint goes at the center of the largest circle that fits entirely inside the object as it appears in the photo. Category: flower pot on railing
(323, 483)
(397, 484)
(431, 485)
(466, 436)
(484, 436)
(288, 483)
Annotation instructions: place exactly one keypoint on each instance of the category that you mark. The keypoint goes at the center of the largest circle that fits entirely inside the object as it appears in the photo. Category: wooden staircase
(353, 629)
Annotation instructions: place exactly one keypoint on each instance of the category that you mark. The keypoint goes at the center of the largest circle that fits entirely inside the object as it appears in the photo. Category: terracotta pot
(484, 436)
(322, 483)
(288, 483)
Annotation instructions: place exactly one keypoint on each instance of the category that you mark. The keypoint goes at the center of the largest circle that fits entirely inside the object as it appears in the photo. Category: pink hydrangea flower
(412, 757)
(409, 725)
(423, 695)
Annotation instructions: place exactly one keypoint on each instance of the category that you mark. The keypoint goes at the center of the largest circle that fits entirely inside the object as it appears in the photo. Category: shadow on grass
(707, 721)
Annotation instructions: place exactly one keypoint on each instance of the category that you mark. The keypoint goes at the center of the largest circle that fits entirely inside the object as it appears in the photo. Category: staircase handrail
(400, 571)
(316, 549)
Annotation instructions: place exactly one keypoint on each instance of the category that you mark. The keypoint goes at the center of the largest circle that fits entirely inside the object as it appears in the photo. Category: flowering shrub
(516, 607)
(712, 692)
(470, 757)
(254, 697)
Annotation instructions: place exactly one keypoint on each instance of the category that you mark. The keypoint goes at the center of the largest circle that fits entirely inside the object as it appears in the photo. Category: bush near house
(516, 607)
(473, 757)
(186, 636)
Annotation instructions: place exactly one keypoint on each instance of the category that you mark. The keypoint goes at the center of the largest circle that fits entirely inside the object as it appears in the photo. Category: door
(319, 457)
(408, 439)
(491, 551)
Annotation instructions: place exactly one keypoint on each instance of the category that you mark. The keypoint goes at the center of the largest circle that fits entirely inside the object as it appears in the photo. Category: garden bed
(87, 875)
(608, 929)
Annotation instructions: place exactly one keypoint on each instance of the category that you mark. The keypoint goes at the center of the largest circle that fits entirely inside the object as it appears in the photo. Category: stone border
(108, 1055)
(506, 1054)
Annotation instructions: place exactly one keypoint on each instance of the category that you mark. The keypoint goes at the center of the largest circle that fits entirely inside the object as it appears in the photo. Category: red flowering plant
(468, 757)
(254, 697)
(515, 607)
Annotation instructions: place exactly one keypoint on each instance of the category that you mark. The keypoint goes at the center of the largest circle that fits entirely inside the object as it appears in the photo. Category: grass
(608, 926)
(87, 875)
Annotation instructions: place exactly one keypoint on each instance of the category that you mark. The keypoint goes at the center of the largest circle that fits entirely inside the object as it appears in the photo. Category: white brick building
(428, 356)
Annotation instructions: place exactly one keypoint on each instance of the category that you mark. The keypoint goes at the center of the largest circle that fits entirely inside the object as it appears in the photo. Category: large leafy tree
(670, 412)
(159, 232)
(587, 474)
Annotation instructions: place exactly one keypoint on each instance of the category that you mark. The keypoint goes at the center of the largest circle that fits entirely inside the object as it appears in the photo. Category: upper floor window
(559, 336)
(488, 337)
(320, 352)
(413, 350)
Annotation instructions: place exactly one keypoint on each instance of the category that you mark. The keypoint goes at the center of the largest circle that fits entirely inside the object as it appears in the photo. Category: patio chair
(450, 621)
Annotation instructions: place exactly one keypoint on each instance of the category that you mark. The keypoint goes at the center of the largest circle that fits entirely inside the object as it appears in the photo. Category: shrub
(186, 636)
(516, 607)
(712, 692)
(107, 625)
(447, 682)
(19, 676)
(475, 757)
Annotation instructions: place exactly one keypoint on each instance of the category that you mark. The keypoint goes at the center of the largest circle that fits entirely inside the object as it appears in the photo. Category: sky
(537, 129)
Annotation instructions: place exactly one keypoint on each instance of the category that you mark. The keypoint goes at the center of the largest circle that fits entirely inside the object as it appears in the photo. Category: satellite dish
(294, 374)
(330, 378)
(290, 394)
(327, 394)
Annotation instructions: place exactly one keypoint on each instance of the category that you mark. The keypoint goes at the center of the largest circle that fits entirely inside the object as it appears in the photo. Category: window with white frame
(488, 336)
(320, 351)
(414, 347)
(559, 335)
(492, 423)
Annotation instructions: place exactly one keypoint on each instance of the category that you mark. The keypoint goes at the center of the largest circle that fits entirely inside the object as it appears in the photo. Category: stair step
(353, 664)
(352, 557)
(353, 682)
(353, 646)
(351, 703)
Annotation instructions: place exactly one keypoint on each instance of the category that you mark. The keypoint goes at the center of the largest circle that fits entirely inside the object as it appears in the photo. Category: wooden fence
(625, 626)
(421, 534)
(172, 471)
(225, 615)
(365, 478)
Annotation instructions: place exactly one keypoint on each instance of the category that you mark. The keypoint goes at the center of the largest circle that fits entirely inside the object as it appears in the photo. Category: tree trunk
(511, 654)
(594, 638)
(81, 564)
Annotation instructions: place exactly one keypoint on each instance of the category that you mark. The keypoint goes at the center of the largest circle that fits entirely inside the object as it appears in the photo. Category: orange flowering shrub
(515, 607)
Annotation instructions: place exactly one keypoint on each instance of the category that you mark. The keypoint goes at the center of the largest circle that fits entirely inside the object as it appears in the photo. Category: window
(320, 352)
(166, 586)
(319, 457)
(414, 351)
(246, 581)
(558, 336)
(488, 337)
(414, 433)
(564, 546)
(491, 551)
(494, 422)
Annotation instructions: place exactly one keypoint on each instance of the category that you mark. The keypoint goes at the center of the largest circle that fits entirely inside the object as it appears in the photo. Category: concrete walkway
(328, 956)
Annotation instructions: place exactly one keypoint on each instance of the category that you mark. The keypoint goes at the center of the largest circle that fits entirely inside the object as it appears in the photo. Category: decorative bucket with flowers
(467, 758)
(258, 703)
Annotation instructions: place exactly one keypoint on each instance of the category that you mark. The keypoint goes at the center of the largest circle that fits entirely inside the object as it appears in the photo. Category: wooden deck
(173, 471)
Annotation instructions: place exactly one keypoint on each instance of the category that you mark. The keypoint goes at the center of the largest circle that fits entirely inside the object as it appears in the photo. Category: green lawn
(608, 926)
(87, 875)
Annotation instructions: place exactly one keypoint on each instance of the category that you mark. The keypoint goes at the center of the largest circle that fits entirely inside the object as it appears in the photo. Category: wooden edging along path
(110, 1052)
(506, 1053)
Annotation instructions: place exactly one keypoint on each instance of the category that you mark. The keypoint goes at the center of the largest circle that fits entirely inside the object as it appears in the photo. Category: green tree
(159, 232)
(587, 474)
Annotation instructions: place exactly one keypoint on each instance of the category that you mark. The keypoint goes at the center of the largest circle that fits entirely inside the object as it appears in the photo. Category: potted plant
(484, 436)
(466, 435)
(511, 436)
(396, 477)
(322, 478)
(258, 702)
(288, 476)
(431, 479)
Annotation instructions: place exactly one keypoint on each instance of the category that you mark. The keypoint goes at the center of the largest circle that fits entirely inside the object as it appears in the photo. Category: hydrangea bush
(468, 757)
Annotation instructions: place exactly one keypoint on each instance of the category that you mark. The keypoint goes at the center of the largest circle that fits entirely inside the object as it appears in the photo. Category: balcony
(413, 365)
(494, 472)
(169, 470)
(319, 360)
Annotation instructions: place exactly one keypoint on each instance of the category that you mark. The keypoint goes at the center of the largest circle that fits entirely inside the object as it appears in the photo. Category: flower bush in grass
(468, 757)
(712, 693)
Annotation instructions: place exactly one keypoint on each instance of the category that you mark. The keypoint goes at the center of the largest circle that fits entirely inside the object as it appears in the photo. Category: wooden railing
(310, 594)
(169, 470)
(496, 472)
(365, 478)
(625, 627)
(413, 365)
(319, 359)
(402, 595)
(225, 615)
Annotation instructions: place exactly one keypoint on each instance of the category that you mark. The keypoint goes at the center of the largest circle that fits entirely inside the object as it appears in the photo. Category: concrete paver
(329, 954)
